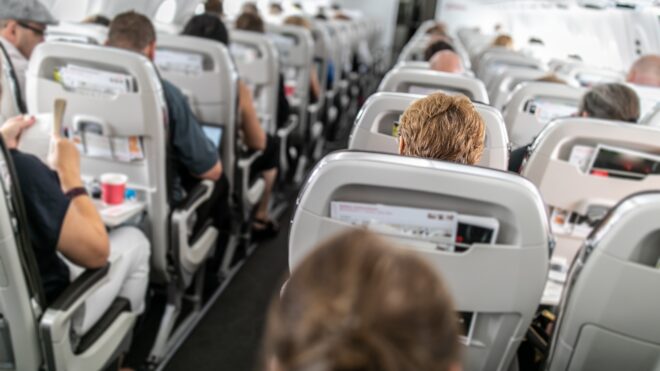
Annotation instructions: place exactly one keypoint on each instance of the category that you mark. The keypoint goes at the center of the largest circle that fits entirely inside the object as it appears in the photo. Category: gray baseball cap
(26, 10)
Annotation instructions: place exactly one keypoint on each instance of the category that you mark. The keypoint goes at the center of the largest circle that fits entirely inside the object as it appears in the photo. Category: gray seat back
(258, 65)
(534, 104)
(501, 301)
(507, 78)
(204, 71)
(568, 188)
(410, 80)
(610, 313)
(373, 128)
(139, 112)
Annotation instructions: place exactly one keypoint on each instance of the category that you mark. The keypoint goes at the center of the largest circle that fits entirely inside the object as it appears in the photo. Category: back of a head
(504, 41)
(275, 9)
(296, 20)
(132, 31)
(645, 71)
(437, 46)
(611, 101)
(551, 78)
(358, 304)
(207, 26)
(214, 7)
(98, 19)
(443, 127)
(446, 61)
(250, 7)
(439, 29)
(250, 22)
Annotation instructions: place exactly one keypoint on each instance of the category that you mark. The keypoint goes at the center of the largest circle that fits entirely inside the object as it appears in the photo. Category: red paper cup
(289, 90)
(113, 188)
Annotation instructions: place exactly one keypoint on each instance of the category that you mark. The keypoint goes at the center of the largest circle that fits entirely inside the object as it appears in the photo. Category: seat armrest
(251, 194)
(283, 134)
(192, 255)
(81, 287)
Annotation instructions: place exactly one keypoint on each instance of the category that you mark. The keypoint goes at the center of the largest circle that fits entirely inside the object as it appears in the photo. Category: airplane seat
(609, 314)
(373, 129)
(204, 71)
(258, 63)
(585, 166)
(117, 112)
(296, 52)
(487, 64)
(418, 81)
(497, 283)
(505, 82)
(588, 76)
(649, 98)
(35, 334)
(534, 104)
(11, 96)
(77, 33)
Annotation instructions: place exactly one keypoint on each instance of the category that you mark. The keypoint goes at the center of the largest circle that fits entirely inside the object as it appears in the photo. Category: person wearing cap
(22, 27)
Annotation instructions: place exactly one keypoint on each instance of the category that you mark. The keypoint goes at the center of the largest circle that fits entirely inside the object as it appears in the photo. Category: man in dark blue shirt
(193, 152)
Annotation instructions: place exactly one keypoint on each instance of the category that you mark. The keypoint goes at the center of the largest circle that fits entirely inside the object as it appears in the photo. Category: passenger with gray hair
(22, 27)
(611, 101)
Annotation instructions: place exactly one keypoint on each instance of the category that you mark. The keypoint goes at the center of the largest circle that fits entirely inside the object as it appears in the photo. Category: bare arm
(315, 85)
(253, 133)
(213, 174)
(83, 238)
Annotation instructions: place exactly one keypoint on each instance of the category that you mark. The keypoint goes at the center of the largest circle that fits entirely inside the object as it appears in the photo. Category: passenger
(215, 7)
(447, 61)
(358, 303)
(22, 27)
(439, 29)
(250, 8)
(645, 71)
(314, 84)
(98, 19)
(267, 165)
(275, 9)
(504, 41)
(442, 127)
(195, 157)
(611, 101)
(551, 78)
(437, 46)
(254, 23)
(63, 221)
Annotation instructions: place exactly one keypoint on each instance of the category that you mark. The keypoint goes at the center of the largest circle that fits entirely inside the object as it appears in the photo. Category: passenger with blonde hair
(442, 127)
(357, 303)
(504, 41)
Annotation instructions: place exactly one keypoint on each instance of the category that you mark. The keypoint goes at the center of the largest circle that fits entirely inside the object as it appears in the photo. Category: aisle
(229, 337)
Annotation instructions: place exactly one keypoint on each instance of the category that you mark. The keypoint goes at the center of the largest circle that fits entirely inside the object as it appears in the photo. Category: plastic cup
(113, 188)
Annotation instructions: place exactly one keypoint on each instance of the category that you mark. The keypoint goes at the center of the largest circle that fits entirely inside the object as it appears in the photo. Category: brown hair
(296, 20)
(250, 22)
(505, 41)
(356, 303)
(443, 127)
(215, 7)
(611, 101)
(131, 30)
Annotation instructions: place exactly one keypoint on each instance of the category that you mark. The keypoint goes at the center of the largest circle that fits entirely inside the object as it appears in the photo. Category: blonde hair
(296, 20)
(505, 41)
(357, 303)
(443, 127)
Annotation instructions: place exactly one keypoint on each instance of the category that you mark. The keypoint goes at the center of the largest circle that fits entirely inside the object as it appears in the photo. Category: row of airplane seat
(489, 210)
(166, 151)
(524, 256)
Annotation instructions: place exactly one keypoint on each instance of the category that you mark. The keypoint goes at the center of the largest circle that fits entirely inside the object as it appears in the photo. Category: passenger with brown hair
(442, 127)
(215, 7)
(358, 303)
(250, 7)
(195, 157)
(211, 27)
(504, 41)
(314, 84)
(551, 78)
(250, 22)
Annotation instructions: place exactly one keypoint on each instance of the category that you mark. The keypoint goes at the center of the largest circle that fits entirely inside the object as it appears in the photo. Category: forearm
(254, 135)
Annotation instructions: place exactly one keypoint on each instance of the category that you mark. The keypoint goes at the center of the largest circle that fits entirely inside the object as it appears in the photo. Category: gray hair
(611, 102)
